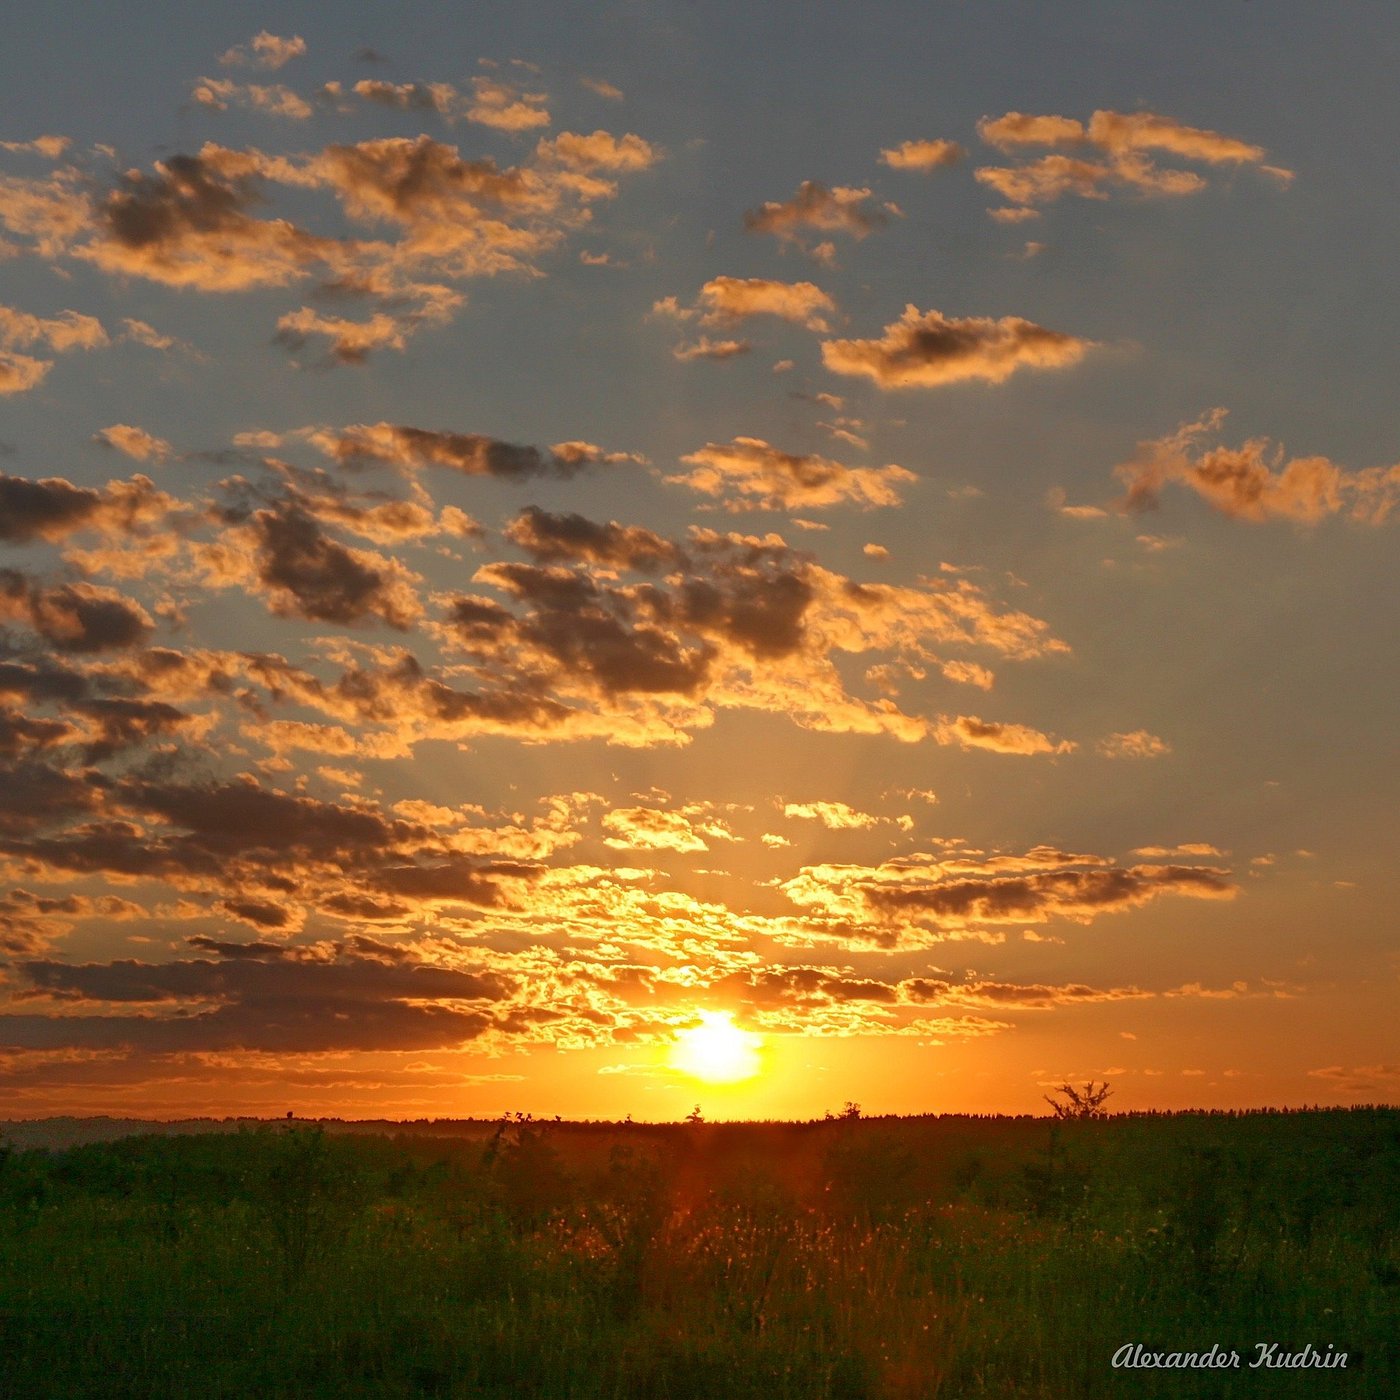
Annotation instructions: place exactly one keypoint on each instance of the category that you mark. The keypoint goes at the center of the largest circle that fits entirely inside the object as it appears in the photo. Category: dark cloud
(1075, 894)
(74, 617)
(557, 539)
(52, 508)
(311, 575)
(578, 627)
(93, 713)
(242, 818)
(36, 795)
(270, 999)
(958, 896)
(187, 225)
(472, 454)
(20, 734)
(261, 913)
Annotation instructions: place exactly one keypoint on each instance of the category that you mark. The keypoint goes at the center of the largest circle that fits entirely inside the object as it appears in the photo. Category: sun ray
(716, 1050)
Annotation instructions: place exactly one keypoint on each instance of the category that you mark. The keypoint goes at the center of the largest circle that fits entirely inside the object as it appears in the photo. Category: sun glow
(716, 1050)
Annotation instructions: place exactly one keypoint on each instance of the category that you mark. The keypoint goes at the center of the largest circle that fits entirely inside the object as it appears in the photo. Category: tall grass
(853, 1258)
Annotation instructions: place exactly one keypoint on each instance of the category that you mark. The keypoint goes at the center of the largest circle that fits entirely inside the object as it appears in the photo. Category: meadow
(845, 1258)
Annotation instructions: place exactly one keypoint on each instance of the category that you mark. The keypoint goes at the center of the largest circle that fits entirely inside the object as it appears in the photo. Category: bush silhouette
(1072, 1103)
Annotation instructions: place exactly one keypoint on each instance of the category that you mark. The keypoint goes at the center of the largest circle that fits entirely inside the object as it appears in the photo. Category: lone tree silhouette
(1079, 1103)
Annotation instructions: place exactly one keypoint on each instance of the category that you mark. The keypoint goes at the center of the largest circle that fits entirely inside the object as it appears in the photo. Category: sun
(716, 1050)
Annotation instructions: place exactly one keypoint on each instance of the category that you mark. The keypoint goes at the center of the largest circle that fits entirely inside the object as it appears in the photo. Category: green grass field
(853, 1257)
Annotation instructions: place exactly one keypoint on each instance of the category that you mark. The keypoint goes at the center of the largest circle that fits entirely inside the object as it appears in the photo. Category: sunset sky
(585, 559)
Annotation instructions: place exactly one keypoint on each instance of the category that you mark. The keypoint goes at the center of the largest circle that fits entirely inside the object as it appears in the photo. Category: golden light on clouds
(490, 565)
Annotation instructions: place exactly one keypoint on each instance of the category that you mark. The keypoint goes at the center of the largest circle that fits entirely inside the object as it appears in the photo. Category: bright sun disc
(716, 1050)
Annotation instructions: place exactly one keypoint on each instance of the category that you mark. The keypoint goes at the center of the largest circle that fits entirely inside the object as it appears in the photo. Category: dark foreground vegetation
(951, 1256)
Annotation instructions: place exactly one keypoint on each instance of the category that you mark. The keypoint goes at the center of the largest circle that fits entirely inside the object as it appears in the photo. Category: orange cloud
(69, 330)
(925, 349)
(556, 539)
(835, 816)
(707, 349)
(1039, 996)
(197, 221)
(1187, 848)
(265, 50)
(738, 622)
(504, 108)
(1255, 482)
(350, 341)
(600, 151)
(1136, 744)
(1046, 179)
(968, 673)
(1136, 131)
(283, 551)
(922, 155)
(733, 298)
(656, 829)
(442, 98)
(972, 733)
(187, 225)
(19, 373)
(272, 99)
(1121, 137)
(814, 206)
(53, 508)
(408, 448)
(788, 481)
(50, 147)
(603, 89)
(73, 617)
(134, 442)
(966, 896)
(52, 213)
(1020, 129)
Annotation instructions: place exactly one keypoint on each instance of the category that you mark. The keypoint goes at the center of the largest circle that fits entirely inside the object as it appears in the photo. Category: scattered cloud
(50, 147)
(73, 617)
(601, 88)
(725, 299)
(409, 449)
(1381, 1081)
(19, 373)
(922, 155)
(1256, 482)
(840, 209)
(658, 829)
(914, 899)
(706, 349)
(54, 508)
(600, 151)
(265, 50)
(504, 108)
(969, 732)
(69, 330)
(1108, 153)
(273, 100)
(350, 341)
(134, 442)
(765, 478)
(925, 349)
(835, 816)
(1138, 743)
